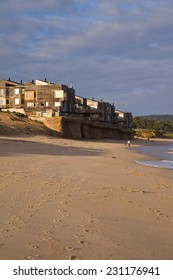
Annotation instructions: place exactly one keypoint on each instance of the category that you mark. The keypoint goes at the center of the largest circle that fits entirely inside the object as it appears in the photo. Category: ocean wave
(161, 164)
(169, 161)
(163, 153)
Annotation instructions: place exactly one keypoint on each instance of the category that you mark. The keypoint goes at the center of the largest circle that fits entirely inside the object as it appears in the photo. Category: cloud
(119, 51)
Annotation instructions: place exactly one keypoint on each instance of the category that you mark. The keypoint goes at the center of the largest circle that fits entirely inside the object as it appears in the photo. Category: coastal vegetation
(153, 126)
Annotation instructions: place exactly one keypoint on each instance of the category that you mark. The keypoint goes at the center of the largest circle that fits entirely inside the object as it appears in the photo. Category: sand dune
(66, 199)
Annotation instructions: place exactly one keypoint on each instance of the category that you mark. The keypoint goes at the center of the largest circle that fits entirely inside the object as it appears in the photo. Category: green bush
(144, 133)
(19, 114)
(169, 135)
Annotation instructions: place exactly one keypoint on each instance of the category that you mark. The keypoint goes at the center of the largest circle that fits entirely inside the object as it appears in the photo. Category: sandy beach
(65, 199)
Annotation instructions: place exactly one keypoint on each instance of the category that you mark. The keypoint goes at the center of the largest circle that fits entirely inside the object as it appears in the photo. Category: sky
(119, 51)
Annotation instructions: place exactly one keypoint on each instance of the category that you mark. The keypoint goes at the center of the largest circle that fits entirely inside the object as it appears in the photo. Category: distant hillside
(158, 117)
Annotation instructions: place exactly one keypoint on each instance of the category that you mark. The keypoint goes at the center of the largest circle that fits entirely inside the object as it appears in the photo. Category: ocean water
(164, 155)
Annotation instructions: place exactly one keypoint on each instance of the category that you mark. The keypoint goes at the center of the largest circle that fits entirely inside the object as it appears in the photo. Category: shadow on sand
(15, 147)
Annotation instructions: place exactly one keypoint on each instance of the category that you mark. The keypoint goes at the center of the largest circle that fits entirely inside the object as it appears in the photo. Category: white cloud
(114, 50)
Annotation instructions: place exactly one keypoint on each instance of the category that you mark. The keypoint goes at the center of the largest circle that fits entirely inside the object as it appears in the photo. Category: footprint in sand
(47, 238)
(83, 242)
(69, 248)
(157, 212)
(73, 258)
(62, 210)
(75, 235)
(63, 202)
(105, 188)
(162, 185)
(30, 206)
(90, 221)
(86, 230)
(46, 231)
(90, 193)
(56, 226)
(32, 257)
(124, 200)
(7, 236)
(31, 245)
(56, 221)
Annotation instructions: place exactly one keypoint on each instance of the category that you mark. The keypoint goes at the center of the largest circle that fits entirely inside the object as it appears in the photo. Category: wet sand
(65, 199)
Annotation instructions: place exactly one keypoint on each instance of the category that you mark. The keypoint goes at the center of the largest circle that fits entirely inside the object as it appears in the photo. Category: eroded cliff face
(74, 128)
(12, 124)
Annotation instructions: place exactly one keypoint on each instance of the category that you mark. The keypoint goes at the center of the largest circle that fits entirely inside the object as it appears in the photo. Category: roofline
(10, 81)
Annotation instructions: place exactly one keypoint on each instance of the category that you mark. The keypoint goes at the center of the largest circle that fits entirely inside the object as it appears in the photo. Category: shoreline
(159, 153)
(82, 199)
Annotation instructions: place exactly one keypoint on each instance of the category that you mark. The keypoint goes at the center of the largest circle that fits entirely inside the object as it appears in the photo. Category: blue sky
(120, 51)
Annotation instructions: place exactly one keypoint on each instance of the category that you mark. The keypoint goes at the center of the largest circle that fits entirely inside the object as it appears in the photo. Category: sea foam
(160, 164)
(164, 154)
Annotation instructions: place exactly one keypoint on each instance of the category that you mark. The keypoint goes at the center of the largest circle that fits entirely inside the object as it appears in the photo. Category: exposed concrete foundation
(73, 128)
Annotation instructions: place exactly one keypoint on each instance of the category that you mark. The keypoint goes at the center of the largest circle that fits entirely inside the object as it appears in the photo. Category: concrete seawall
(73, 128)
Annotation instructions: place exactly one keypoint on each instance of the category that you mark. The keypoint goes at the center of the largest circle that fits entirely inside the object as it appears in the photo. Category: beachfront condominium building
(42, 98)
(124, 119)
(11, 94)
(43, 95)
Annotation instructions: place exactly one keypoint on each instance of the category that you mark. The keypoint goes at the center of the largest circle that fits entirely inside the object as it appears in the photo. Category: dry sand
(66, 199)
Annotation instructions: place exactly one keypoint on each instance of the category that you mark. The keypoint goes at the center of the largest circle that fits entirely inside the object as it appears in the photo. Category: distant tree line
(144, 123)
(159, 117)
(148, 126)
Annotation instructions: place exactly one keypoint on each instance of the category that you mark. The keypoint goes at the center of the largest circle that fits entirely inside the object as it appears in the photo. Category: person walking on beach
(128, 143)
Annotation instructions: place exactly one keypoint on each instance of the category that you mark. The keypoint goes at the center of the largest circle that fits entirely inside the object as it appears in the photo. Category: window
(2, 102)
(47, 104)
(57, 104)
(28, 94)
(30, 104)
(16, 101)
(2, 91)
(16, 90)
(58, 94)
